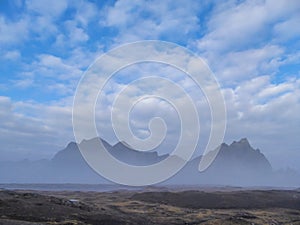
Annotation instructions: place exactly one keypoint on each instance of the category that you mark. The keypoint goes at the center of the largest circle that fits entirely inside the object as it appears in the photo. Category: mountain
(241, 156)
(124, 152)
(236, 164)
(121, 151)
(70, 165)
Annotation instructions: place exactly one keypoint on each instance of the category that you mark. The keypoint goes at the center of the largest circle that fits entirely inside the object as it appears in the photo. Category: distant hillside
(235, 164)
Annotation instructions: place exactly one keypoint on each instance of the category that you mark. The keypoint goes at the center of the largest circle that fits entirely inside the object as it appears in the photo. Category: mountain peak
(243, 143)
(224, 145)
(71, 144)
(123, 143)
(244, 140)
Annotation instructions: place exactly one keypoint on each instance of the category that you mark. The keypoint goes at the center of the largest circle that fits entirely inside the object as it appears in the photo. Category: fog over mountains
(236, 164)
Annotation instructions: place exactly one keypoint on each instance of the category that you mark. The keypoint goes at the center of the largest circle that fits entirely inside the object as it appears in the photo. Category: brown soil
(167, 207)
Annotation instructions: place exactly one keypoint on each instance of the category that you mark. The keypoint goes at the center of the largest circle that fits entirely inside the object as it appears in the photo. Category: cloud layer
(251, 46)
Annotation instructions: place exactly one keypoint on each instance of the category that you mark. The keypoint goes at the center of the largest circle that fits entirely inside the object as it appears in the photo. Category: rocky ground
(150, 207)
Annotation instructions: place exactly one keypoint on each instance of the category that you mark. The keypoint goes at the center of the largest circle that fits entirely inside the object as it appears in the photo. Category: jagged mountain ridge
(121, 151)
(236, 164)
(240, 155)
(238, 151)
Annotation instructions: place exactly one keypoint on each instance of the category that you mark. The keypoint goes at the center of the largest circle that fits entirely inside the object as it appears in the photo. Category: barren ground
(150, 207)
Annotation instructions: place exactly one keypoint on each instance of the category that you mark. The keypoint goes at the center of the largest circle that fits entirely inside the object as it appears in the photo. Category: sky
(252, 47)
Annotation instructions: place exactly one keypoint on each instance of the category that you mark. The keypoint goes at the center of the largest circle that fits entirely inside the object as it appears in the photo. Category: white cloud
(86, 11)
(274, 90)
(49, 74)
(42, 27)
(288, 29)
(23, 83)
(244, 40)
(33, 130)
(151, 20)
(41, 20)
(55, 67)
(73, 36)
(82, 58)
(249, 22)
(44, 8)
(12, 55)
(242, 65)
(13, 32)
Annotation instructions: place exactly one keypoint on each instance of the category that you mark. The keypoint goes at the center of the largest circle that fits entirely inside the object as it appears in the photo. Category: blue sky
(251, 46)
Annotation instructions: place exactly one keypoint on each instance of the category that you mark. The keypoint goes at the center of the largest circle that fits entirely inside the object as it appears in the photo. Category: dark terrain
(151, 206)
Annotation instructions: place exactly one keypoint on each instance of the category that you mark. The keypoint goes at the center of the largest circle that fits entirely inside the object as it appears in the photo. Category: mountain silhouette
(235, 164)
(121, 151)
(240, 157)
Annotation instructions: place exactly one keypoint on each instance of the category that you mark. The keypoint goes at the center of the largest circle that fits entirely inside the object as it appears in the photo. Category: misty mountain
(235, 164)
(240, 156)
(122, 151)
